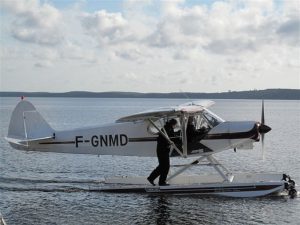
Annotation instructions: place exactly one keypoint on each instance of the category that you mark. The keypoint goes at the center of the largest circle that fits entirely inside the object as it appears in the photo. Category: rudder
(27, 123)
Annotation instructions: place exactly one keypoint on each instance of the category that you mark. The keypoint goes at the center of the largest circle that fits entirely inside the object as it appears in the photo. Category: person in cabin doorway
(163, 154)
(194, 135)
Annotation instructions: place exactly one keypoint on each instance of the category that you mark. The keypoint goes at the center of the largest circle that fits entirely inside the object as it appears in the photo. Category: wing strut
(165, 135)
(184, 119)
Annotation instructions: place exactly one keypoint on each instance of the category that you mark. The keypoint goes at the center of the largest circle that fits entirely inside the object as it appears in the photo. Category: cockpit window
(211, 119)
(204, 120)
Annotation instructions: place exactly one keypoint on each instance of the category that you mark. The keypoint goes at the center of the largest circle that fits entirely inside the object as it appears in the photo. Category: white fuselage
(128, 139)
(29, 131)
(134, 139)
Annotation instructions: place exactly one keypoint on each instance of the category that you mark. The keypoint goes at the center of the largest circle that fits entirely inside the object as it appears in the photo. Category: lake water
(50, 188)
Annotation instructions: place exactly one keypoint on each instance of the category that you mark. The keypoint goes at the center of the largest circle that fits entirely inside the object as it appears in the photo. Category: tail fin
(27, 124)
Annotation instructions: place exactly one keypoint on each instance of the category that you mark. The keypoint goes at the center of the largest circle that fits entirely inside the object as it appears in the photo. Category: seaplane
(136, 135)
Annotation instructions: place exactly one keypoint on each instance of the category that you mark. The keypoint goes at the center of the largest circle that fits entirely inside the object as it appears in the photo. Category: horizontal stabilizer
(26, 142)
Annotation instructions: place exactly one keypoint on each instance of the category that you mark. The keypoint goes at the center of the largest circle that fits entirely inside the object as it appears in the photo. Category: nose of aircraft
(263, 128)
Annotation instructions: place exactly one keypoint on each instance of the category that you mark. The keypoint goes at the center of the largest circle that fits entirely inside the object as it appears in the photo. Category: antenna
(185, 94)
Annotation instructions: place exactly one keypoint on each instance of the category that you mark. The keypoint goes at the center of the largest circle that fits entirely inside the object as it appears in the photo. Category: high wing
(188, 108)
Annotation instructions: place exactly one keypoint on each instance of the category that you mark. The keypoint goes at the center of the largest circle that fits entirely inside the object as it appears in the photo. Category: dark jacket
(163, 146)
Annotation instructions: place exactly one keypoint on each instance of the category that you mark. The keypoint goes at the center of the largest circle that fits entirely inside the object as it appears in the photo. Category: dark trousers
(163, 167)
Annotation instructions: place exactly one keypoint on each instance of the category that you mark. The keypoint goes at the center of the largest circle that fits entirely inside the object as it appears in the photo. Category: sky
(149, 45)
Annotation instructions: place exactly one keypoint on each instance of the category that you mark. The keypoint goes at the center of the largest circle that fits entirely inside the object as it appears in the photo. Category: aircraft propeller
(263, 128)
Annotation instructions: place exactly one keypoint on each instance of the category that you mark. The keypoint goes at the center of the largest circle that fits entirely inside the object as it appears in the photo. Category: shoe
(164, 184)
(150, 181)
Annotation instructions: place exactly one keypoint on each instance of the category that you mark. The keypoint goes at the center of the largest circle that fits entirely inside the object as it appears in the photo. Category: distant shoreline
(276, 94)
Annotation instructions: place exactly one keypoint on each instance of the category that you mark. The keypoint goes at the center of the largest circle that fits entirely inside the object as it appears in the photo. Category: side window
(160, 124)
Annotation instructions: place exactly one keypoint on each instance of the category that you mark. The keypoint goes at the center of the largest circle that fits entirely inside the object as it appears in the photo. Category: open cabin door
(159, 127)
(158, 117)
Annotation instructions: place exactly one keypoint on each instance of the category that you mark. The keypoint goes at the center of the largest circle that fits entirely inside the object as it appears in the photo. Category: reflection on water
(160, 210)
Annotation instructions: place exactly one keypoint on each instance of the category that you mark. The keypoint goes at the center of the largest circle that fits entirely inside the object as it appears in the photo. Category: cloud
(290, 31)
(230, 46)
(34, 22)
(108, 28)
(43, 64)
(180, 26)
(291, 27)
(129, 54)
(37, 36)
(217, 46)
(226, 27)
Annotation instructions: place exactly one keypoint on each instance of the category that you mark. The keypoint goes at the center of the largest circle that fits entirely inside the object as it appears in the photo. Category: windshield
(210, 119)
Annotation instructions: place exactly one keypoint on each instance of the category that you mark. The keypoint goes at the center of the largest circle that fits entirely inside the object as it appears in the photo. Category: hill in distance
(280, 94)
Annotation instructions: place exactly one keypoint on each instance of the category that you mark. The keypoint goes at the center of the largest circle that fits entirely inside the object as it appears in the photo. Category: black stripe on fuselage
(251, 134)
(57, 143)
(142, 139)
